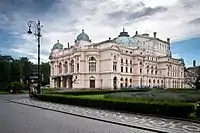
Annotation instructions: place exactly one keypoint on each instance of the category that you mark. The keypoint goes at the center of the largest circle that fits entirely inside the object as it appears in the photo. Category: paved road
(16, 118)
(134, 120)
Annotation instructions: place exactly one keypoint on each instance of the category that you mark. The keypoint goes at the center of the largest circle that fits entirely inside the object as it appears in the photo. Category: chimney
(168, 40)
(68, 44)
(194, 63)
(136, 32)
(154, 34)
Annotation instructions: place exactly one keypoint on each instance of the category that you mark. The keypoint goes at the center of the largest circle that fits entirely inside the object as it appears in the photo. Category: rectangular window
(92, 66)
(77, 67)
(114, 66)
(126, 69)
(121, 69)
(131, 70)
(126, 61)
(122, 61)
(140, 70)
(131, 62)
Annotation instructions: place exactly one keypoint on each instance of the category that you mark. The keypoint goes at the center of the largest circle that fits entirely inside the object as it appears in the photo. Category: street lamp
(37, 33)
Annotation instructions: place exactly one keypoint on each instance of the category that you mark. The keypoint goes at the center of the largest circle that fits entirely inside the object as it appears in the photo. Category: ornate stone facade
(124, 61)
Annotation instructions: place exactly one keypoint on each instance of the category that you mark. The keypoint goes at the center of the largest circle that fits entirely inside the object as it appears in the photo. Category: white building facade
(137, 61)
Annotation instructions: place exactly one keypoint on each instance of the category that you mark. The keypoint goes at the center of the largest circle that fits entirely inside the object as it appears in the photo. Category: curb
(112, 122)
(174, 118)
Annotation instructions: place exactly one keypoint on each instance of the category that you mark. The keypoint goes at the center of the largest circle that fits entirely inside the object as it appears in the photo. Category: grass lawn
(100, 96)
(48, 90)
(4, 92)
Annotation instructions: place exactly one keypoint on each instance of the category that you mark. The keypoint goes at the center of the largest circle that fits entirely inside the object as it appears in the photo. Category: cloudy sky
(64, 19)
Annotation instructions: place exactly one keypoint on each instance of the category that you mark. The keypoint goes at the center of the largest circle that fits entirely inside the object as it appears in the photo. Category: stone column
(51, 82)
(61, 81)
(55, 83)
(67, 80)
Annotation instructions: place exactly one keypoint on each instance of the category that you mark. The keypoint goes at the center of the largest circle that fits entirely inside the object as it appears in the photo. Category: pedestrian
(31, 89)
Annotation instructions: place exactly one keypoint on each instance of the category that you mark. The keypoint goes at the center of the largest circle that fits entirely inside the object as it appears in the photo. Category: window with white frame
(60, 68)
(92, 64)
(114, 66)
(66, 67)
(72, 66)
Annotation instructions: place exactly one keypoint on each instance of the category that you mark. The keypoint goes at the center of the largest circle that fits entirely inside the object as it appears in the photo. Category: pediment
(116, 47)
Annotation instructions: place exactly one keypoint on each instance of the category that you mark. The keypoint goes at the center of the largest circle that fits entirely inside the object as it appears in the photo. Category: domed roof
(182, 61)
(57, 46)
(83, 37)
(124, 38)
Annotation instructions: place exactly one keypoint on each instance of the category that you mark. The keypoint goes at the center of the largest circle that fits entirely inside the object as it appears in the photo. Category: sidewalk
(132, 120)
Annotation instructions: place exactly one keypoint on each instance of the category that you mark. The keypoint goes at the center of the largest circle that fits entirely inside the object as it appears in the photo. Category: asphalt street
(16, 118)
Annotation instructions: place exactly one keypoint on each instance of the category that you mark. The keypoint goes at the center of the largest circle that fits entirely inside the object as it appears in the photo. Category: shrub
(174, 109)
(157, 95)
(15, 87)
(97, 92)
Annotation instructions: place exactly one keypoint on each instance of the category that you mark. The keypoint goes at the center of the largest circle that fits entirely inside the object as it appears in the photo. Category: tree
(4, 73)
(18, 70)
(45, 72)
(26, 68)
(15, 71)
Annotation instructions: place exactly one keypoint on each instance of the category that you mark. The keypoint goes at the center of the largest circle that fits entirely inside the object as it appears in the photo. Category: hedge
(97, 92)
(173, 109)
(157, 96)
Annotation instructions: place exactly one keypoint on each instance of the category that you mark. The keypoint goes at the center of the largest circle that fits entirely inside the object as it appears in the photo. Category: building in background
(125, 61)
(191, 75)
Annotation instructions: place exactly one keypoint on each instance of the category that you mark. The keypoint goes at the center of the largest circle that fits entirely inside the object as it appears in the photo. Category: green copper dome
(124, 39)
(57, 46)
(83, 37)
(182, 61)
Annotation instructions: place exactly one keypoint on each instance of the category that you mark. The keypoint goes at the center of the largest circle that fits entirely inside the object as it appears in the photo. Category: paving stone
(162, 124)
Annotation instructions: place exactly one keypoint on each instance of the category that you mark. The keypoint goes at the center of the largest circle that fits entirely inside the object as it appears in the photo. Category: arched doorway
(92, 82)
(115, 82)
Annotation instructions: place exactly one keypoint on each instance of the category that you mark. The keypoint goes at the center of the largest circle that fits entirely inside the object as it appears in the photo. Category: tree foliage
(19, 70)
(45, 71)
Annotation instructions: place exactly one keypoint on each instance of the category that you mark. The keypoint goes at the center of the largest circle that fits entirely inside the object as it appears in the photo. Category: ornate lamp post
(37, 33)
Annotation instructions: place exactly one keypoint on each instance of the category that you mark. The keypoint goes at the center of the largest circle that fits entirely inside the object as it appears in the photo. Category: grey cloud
(130, 16)
(146, 12)
(189, 3)
(195, 21)
(135, 15)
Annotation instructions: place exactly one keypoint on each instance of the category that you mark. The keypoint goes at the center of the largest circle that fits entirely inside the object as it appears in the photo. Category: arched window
(66, 67)
(52, 68)
(72, 66)
(126, 82)
(114, 66)
(149, 80)
(115, 57)
(60, 68)
(156, 71)
(147, 69)
(130, 80)
(92, 64)
(151, 71)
